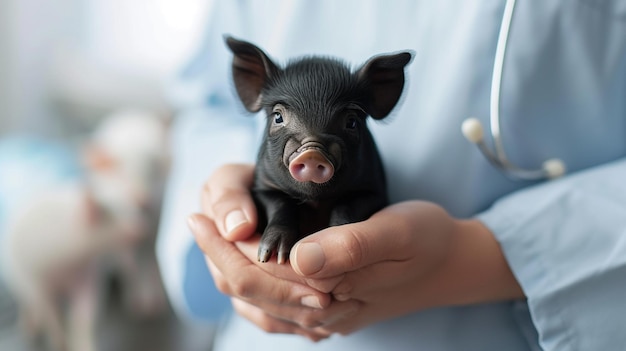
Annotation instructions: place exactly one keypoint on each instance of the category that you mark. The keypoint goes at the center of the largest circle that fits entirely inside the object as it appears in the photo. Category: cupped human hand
(405, 258)
(378, 264)
(272, 296)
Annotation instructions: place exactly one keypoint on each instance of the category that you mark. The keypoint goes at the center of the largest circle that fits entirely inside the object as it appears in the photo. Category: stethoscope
(473, 130)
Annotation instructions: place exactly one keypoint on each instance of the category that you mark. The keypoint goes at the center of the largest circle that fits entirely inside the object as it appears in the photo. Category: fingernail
(234, 219)
(341, 297)
(308, 258)
(192, 223)
(311, 301)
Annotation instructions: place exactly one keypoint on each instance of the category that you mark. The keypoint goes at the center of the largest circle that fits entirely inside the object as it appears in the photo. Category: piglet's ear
(383, 79)
(251, 70)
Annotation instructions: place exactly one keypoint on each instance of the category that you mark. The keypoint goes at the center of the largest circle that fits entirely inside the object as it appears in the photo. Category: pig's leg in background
(82, 312)
(282, 230)
(46, 305)
(29, 321)
(142, 291)
(357, 207)
(40, 315)
(31, 318)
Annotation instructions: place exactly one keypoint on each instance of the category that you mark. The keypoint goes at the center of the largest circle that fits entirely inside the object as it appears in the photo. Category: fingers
(293, 320)
(226, 199)
(337, 250)
(237, 276)
(387, 276)
(249, 248)
(271, 324)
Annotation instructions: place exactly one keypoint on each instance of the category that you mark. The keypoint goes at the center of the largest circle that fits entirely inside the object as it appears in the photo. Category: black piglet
(318, 165)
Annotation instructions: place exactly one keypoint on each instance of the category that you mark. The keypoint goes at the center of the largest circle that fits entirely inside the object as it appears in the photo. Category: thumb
(338, 250)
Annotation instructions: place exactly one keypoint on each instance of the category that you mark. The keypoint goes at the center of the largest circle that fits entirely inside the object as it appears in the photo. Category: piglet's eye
(278, 118)
(351, 123)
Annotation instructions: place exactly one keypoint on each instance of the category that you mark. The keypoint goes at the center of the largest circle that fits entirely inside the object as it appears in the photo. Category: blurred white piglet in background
(61, 244)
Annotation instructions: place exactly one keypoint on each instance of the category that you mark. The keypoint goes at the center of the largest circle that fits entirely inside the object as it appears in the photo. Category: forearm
(475, 271)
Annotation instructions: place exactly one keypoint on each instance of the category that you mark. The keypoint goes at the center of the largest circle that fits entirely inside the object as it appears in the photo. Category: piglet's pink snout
(311, 166)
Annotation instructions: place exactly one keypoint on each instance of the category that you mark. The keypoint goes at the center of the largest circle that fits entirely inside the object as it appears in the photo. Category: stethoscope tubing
(472, 128)
(496, 81)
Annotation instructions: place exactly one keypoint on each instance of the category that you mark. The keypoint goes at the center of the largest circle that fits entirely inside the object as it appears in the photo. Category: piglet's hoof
(275, 241)
(265, 254)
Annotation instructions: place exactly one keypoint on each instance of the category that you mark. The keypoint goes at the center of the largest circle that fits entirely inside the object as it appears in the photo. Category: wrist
(474, 270)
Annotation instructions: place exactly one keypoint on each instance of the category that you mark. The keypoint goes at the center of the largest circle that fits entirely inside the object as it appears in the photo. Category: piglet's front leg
(357, 207)
(282, 229)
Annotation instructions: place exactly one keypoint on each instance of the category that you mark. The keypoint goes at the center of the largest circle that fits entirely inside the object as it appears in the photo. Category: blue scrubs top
(563, 95)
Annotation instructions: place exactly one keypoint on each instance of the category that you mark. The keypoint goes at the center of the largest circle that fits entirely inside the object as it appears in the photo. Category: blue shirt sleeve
(565, 241)
(205, 301)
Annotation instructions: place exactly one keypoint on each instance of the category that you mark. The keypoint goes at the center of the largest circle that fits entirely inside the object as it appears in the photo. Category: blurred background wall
(65, 63)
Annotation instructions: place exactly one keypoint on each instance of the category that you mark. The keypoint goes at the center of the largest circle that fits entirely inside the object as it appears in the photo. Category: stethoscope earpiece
(554, 168)
(473, 130)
